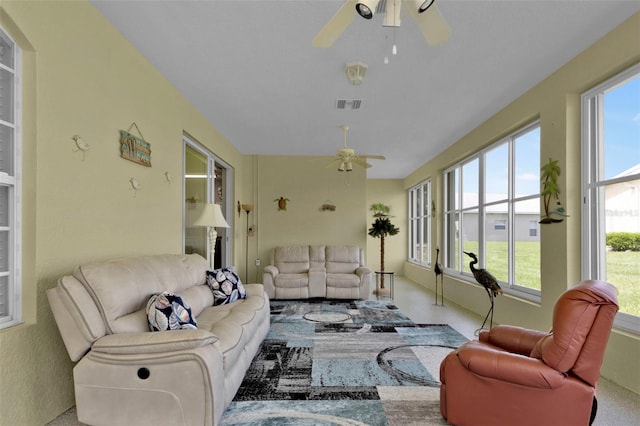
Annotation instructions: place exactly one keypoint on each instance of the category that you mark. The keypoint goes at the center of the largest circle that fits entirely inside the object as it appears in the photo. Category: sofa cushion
(225, 285)
(138, 278)
(167, 311)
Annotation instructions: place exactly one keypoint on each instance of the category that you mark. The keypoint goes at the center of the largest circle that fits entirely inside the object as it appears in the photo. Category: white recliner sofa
(310, 271)
(128, 375)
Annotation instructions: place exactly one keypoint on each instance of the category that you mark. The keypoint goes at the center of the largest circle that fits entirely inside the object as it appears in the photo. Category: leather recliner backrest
(582, 321)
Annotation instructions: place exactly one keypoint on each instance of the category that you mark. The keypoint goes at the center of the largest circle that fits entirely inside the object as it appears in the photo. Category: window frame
(592, 151)
(419, 223)
(454, 210)
(14, 183)
(212, 161)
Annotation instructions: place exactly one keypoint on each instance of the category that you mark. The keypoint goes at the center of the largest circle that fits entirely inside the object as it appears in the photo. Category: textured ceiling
(249, 67)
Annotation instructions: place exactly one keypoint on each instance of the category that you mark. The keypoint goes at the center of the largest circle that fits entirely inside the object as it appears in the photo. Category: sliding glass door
(206, 180)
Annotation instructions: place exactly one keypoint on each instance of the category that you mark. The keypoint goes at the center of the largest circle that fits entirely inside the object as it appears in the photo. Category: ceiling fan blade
(432, 24)
(361, 163)
(374, 157)
(332, 163)
(338, 23)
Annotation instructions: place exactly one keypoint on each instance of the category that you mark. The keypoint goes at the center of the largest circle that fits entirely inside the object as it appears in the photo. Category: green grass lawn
(623, 269)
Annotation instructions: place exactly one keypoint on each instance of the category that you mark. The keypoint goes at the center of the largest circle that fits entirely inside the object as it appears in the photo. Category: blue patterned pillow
(167, 311)
(225, 285)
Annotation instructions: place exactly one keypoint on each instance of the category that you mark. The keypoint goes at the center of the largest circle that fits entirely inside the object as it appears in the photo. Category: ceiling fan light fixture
(355, 72)
(366, 8)
(423, 5)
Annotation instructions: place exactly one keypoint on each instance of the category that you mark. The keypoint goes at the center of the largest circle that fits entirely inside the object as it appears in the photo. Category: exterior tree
(381, 228)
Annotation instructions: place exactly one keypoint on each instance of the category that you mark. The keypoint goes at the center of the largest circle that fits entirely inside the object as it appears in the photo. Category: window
(206, 180)
(491, 200)
(420, 223)
(611, 190)
(10, 173)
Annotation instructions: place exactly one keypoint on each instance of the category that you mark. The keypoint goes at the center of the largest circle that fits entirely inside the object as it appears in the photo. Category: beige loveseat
(303, 272)
(127, 375)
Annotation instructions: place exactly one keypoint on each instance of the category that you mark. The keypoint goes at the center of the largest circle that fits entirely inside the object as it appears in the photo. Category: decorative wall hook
(80, 145)
(135, 185)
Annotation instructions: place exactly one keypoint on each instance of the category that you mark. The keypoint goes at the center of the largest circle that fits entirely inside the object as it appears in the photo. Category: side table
(388, 282)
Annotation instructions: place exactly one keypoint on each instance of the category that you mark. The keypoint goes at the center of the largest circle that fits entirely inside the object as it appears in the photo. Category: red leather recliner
(515, 376)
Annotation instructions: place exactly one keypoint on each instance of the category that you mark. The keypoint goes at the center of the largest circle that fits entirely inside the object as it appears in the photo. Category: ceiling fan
(346, 157)
(426, 14)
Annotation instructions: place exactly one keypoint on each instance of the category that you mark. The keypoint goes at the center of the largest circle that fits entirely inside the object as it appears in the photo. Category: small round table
(389, 282)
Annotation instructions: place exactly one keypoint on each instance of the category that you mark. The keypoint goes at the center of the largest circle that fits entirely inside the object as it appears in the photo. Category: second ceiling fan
(425, 13)
(346, 157)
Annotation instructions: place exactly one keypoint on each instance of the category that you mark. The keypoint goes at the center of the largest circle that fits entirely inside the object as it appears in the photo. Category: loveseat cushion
(291, 259)
(226, 286)
(342, 259)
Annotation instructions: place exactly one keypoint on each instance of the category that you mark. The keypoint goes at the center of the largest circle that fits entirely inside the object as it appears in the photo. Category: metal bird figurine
(437, 268)
(486, 280)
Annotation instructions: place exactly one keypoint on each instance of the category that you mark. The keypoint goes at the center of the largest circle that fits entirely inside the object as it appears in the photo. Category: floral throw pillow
(225, 285)
(167, 311)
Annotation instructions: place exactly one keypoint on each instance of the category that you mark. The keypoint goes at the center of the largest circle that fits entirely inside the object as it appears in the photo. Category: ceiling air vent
(348, 103)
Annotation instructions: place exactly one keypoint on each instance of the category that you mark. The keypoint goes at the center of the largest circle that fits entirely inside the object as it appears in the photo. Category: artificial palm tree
(380, 228)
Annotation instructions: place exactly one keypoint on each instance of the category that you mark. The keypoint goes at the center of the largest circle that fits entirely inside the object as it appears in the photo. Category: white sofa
(309, 271)
(127, 375)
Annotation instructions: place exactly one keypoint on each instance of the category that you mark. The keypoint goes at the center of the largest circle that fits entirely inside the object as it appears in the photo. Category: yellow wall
(556, 102)
(82, 77)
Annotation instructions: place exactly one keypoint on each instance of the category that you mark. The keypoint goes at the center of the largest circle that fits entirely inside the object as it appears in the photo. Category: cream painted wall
(556, 102)
(308, 185)
(82, 77)
(390, 192)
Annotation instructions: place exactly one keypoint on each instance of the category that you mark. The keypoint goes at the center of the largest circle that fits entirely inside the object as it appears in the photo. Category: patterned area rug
(344, 363)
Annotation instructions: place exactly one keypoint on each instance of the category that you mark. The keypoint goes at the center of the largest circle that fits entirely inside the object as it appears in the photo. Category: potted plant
(381, 228)
(549, 176)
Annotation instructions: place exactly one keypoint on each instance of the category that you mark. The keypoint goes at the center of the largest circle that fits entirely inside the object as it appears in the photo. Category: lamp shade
(211, 216)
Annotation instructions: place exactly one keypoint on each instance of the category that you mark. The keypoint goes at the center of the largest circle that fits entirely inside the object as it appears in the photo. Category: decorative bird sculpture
(486, 280)
(437, 268)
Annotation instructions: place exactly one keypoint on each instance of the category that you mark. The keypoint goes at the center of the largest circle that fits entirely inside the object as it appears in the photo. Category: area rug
(344, 363)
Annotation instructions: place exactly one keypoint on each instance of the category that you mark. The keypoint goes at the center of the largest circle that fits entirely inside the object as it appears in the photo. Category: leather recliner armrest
(513, 339)
(153, 342)
(494, 363)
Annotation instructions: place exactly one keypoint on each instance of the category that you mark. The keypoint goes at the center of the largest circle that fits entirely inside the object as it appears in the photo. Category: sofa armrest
(513, 339)
(494, 363)
(153, 342)
(271, 270)
(362, 271)
(269, 275)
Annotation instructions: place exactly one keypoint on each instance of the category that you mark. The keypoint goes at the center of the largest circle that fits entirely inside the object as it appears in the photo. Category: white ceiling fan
(346, 157)
(425, 13)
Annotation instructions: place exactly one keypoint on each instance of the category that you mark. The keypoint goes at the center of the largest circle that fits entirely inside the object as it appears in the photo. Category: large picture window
(420, 223)
(611, 190)
(492, 208)
(10, 177)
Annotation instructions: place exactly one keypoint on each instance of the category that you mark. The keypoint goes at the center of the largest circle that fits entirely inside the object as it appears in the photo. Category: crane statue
(437, 268)
(486, 280)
